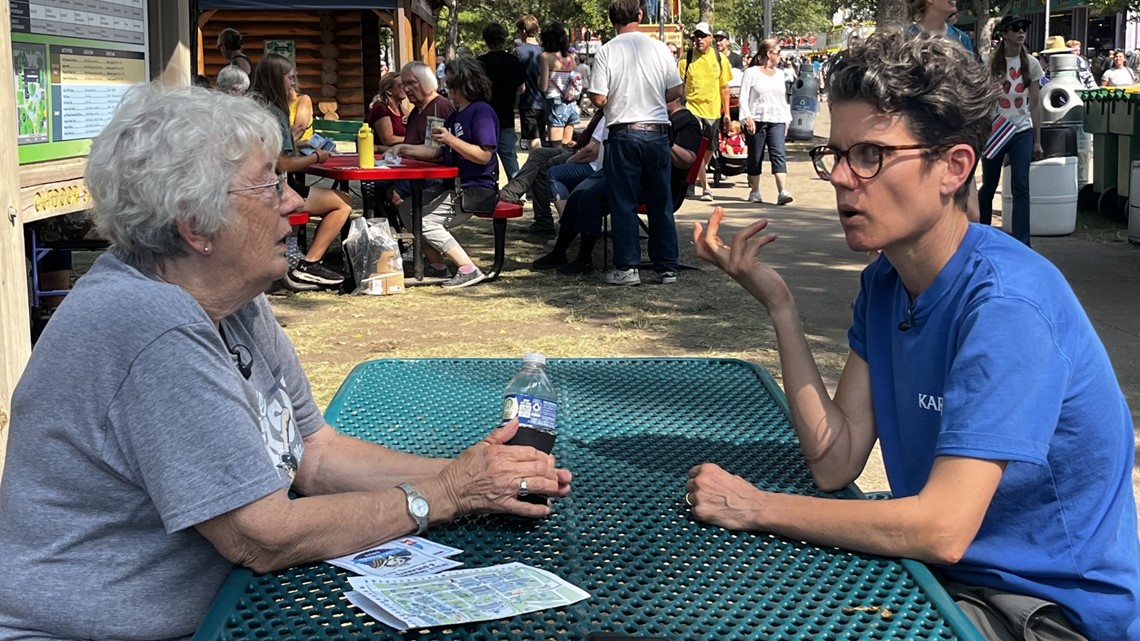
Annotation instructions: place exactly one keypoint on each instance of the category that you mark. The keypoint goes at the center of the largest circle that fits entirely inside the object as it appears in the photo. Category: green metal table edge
(235, 585)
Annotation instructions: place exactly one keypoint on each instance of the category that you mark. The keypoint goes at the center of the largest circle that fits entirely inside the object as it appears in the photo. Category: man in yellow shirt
(706, 74)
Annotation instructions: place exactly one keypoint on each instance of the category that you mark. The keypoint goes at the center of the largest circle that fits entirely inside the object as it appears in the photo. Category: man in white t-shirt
(1120, 75)
(634, 76)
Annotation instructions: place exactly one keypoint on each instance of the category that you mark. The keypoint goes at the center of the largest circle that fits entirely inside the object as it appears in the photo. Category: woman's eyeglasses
(279, 184)
(865, 159)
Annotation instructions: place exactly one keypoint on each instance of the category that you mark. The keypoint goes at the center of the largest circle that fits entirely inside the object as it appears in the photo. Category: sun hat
(1056, 44)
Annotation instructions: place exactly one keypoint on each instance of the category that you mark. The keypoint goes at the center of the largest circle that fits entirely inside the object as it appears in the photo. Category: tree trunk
(890, 12)
(983, 26)
(451, 44)
(706, 11)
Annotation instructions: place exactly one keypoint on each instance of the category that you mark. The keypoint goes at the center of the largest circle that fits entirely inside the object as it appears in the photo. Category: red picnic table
(416, 171)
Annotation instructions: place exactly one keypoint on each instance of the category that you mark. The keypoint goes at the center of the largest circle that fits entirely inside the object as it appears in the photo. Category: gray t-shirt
(132, 424)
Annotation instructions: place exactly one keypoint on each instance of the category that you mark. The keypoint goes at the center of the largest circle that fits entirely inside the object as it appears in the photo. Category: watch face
(419, 507)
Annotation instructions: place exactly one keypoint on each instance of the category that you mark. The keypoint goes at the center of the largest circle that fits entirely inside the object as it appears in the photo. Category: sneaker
(429, 271)
(315, 273)
(463, 280)
(754, 197)
(620, 276)
(550, 261)
(295, 285)
(668, 277)
(576, 267)
(706, 196)
(542, 229)
(784, 198)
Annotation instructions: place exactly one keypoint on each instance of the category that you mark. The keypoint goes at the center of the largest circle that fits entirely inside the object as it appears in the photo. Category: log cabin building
(338, 44)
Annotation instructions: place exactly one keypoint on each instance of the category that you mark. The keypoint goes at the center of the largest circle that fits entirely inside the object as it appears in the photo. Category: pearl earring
(206, 249)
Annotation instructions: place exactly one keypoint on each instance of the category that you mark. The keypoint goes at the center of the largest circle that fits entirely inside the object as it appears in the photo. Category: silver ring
(688, 501)
(523, 490)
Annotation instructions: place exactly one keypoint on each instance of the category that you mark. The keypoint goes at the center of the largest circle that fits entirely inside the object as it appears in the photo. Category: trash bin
(805, 104)
(1052, 197)
(1104, 143)
(1063, 104)
(1134, 207)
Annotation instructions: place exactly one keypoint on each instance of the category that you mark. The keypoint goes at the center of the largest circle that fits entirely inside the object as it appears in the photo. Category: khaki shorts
(1003, 616)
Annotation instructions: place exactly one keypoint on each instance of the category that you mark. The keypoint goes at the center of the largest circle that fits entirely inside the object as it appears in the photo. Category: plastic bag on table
(374, 255)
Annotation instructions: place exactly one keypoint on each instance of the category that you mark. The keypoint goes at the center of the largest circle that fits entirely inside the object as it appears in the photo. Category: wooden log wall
(330, 64)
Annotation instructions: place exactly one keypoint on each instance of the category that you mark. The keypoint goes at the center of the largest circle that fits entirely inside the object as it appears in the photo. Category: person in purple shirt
(468, 140)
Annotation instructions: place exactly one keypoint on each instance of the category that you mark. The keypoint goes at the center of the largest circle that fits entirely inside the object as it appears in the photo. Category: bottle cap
(534, 358)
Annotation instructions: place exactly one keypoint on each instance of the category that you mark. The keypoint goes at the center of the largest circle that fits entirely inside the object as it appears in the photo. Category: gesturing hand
(721, 498)
(741, 259)
(486, 476)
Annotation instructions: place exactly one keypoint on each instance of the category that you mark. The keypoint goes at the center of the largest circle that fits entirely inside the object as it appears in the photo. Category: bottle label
(533, 412)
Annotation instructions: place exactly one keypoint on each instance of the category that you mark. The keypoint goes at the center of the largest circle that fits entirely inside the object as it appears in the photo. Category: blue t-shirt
(478, 125)
(1001, 363)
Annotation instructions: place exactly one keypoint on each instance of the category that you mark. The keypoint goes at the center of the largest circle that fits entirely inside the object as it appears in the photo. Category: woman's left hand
(750, 126)
(1038, 151)
(721, 498)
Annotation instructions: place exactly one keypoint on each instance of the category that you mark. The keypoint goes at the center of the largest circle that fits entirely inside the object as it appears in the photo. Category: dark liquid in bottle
(539, 440)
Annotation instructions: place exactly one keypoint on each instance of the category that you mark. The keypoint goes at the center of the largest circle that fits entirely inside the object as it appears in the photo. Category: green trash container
(1124, 120)
(1098, 104)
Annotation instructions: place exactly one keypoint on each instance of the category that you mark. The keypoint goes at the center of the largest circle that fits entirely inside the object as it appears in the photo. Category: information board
(72, 60)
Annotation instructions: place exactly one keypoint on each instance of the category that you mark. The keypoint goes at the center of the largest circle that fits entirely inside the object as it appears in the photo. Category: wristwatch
(418, 507)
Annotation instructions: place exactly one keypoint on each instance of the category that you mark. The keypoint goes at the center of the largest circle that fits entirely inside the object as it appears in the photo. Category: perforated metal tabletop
(629, 429)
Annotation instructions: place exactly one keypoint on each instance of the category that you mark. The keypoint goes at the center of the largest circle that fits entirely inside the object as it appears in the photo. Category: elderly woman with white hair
(188, 420)
(232, 80)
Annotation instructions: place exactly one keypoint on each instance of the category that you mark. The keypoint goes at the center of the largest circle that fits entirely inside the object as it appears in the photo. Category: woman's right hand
(322, 155)
(487, 476)
(750, 126)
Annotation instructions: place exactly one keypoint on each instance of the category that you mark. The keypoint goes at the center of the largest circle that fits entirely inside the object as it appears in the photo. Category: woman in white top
(765, 114)
(1017, 74)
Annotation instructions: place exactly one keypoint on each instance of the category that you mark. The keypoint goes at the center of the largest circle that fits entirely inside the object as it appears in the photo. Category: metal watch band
(413, 495)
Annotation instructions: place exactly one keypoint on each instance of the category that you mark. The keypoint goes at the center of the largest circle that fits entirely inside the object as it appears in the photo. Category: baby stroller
(727, 161)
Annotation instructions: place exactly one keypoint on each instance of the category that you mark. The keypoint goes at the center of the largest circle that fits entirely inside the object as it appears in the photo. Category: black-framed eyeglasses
(279, 184)
(865, 158)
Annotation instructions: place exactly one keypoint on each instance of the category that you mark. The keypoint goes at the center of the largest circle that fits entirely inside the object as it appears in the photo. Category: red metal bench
(499, 217)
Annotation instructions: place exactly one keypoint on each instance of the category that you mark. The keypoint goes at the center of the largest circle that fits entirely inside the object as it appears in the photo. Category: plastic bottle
(530, 397)
(365, 150)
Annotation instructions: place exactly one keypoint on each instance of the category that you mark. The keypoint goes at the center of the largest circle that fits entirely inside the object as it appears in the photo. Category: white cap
(534, 358)
(703, 27)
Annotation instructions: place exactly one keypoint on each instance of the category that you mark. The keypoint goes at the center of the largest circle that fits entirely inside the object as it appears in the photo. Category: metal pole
(767, 18)
(1046, 20)
(661, 20)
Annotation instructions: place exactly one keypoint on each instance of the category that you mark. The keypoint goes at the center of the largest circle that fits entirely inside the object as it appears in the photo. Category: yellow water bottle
(364, 147)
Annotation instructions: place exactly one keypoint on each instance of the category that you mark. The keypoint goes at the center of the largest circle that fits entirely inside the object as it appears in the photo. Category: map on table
(461, 596)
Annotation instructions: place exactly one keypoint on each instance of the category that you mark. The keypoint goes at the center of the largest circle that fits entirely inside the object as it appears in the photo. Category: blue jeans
(565, 177)
(587, 205)
(770, 135)
(508, 151)
(1020, 150)
(637, 170)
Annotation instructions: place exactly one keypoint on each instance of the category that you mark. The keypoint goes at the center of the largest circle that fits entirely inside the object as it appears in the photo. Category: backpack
(689, 63)
(574, 86)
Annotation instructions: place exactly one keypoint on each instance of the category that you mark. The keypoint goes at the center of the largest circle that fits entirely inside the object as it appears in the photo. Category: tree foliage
(745, 18)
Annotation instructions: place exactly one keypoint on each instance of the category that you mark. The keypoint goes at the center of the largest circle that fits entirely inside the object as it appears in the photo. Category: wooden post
(405, 44)
(15, 326)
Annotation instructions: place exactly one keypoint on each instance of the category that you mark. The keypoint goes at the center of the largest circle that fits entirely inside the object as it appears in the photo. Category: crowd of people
(1007, 442)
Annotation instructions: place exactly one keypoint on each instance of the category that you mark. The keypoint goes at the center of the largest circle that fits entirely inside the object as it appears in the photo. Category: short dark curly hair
(942, 92)
(467, 74)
